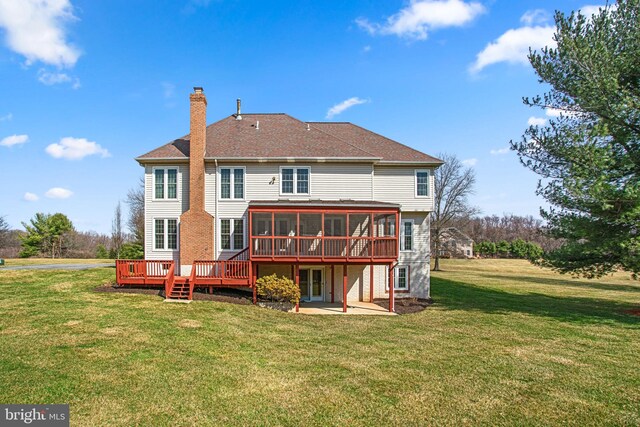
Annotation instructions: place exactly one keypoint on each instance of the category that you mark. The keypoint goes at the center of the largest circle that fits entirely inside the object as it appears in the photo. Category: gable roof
(280, 136)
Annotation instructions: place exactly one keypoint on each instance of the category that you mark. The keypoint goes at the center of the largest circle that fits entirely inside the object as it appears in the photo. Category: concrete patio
(362, 308)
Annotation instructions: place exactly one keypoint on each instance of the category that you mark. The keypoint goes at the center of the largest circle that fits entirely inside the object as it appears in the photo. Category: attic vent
(238, 103)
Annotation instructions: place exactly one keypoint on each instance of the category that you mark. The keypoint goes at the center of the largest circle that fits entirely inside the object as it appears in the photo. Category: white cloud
(536, 16)
(75, 149)
(6, 118)
(344, 105)
(36, 30)
(12, 140)
(469, 162)
(536, 121)
(49, 78)
(513, 46)
(499, 151)
(367, 48)
(58, 193)
(30, 197)
(590, 10)
(423, 16)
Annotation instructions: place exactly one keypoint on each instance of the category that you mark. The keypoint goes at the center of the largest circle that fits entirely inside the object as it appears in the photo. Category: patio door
(311, 284)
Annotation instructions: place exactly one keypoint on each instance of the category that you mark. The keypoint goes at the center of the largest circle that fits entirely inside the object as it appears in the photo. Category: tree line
(54, 235)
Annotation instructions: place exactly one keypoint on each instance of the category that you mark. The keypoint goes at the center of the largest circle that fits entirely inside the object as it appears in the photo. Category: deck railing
(229, 269)
(142, 269)
(324, 247)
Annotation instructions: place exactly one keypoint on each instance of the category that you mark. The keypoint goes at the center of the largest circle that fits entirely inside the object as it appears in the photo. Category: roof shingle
(279, 136)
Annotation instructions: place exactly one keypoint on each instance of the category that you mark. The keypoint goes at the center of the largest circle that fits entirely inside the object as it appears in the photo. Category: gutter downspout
(215, 218)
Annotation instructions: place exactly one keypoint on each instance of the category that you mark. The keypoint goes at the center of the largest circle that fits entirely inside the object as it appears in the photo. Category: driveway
(57, 266)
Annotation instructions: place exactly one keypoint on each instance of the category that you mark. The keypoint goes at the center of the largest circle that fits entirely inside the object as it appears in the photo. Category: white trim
(413, 235)
(232, 197)
(165, 234)
(310, 284)
(231, 230)
(395, 278)
(295, 181)
(415, 183)
(165, 174)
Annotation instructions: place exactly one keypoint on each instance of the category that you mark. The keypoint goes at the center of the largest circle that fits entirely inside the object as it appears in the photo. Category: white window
(401, 278)
(406, 237)
(294, 180)
(422, 183)
(232, 183)
(232, 234)
(165, 232)
(165, 183)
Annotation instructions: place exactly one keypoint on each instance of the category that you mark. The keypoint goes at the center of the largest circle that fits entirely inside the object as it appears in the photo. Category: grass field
(504, 344)
(14, 262)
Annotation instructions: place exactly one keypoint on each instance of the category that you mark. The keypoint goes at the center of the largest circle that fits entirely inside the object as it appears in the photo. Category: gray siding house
(322, 202)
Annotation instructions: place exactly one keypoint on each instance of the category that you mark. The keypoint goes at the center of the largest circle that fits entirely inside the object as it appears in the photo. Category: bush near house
(280, 289)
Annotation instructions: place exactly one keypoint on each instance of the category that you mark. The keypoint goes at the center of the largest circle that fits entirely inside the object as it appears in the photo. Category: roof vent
(257, 124)
(238, 116)
(308, 128)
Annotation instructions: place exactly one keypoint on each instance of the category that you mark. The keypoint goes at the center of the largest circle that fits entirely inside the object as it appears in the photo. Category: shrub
(131, 251)
(276, 288)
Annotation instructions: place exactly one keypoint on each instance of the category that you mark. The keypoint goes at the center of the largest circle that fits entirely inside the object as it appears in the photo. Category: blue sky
(86, 86)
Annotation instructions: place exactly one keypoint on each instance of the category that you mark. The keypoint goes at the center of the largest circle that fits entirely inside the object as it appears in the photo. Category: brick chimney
(196, 225)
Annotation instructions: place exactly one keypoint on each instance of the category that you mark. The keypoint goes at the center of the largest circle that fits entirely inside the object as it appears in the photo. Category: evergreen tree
(589, 156)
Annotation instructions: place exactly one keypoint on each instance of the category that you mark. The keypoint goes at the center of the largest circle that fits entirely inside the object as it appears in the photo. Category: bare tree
(135, 201)
(453, 185)
(117, 235)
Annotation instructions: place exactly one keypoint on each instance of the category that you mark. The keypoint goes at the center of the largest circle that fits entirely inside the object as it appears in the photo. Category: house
(340, 209)
(455, 244)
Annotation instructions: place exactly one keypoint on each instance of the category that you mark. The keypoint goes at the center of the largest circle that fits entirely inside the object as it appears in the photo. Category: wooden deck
(230, 273)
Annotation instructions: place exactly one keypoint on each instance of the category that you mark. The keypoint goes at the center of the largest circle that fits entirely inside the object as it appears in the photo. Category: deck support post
(391, 293)
(333, 279)
(297, 269)
(344, 288)
(371, 282)
(254, 277)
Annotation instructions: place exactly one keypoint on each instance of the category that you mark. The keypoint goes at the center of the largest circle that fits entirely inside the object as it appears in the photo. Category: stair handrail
(240, 254)
(169, 280)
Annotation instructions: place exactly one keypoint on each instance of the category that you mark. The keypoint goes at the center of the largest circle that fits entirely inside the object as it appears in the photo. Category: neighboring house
(340, 209)
(455, 244)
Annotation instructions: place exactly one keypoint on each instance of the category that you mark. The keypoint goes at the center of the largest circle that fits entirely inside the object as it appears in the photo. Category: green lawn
(12, 262)
(504, 344)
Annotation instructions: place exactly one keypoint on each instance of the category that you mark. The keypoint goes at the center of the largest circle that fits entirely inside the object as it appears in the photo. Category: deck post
(391, 293)
(297, 268)
(254, 277)
(344, 288)
(333, 279)
(371, 283)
